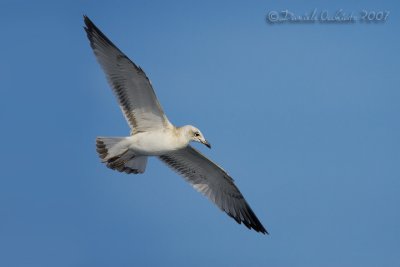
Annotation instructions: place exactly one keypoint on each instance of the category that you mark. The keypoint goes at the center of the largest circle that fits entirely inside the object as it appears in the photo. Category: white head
(194, 134)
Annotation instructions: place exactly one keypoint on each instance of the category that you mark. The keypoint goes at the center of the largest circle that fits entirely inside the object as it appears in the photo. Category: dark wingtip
(263, 231)
(98, 38)
(256, 224)
(89, 25)
(250, 220)
(259, 228)
(87, 21)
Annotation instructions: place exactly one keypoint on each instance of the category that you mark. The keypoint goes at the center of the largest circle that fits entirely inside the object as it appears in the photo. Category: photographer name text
(324, 16)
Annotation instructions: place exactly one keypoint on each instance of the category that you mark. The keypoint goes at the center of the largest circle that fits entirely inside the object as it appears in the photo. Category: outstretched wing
(211, 180)
(130, 84)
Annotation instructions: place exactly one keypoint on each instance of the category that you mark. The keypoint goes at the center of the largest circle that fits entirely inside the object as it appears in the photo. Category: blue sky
(304, 117)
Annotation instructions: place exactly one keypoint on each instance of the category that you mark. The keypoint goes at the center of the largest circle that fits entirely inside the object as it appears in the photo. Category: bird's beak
(206, 143)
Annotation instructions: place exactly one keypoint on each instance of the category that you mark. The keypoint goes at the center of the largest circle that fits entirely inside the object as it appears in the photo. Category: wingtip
(87, 20)
(248, 219)
(263, 231)
(260, 229)
(252, 224)
(88, 24)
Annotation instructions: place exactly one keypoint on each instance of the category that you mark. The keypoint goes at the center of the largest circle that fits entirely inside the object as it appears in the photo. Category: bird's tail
(114, 152)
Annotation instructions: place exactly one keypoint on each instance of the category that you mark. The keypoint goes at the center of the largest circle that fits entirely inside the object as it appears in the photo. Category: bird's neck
(182, 134)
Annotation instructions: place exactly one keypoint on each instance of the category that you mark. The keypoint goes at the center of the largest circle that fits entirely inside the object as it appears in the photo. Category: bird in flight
(153, 135)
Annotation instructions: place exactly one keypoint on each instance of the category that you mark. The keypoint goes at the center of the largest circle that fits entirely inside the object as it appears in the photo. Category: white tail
(114, 152)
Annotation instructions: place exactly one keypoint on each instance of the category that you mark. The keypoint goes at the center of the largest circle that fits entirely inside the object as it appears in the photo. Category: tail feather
(109, 147)
(115, 154)
(136, 165)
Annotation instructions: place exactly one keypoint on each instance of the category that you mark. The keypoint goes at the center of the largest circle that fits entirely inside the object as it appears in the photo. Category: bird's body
(153, 135)
(156, 142)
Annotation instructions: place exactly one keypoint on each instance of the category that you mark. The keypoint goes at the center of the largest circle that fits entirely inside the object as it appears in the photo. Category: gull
(152, 134)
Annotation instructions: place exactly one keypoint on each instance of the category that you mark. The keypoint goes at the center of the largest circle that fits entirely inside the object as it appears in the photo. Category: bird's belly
(154, 144)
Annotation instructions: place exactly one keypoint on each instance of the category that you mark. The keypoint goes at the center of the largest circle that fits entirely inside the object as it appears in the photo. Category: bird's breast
(156, 143)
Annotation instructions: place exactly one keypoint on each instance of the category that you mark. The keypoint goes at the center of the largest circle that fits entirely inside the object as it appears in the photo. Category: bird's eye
(196, 134)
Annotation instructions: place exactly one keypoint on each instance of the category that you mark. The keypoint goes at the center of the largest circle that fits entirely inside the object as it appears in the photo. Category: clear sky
(305, 118)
